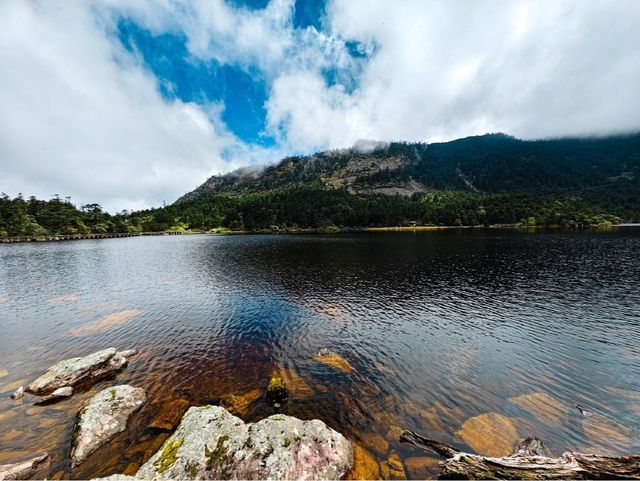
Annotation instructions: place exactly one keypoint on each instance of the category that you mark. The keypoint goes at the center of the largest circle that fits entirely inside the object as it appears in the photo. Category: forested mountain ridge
(490, 163)
(486, 180)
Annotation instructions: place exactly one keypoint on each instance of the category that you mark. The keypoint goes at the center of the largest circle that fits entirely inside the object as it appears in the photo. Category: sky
(132, 104)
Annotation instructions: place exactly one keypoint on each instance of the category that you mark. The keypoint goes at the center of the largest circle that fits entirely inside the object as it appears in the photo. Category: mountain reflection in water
(472, 337)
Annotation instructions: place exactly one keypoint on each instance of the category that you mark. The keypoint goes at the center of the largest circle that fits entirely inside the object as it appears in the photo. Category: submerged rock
(55, 396)
(18, 393)
(396, 469)
(102, 417)
(490, 434)
(32, 468)
(239, 405)
(78, 370)
(422, 467)
(603, 432)
(333, 359)
(364, 466)
(543, 406)
(211, 443)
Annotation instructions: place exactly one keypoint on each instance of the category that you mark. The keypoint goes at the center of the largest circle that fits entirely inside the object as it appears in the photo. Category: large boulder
(78, 370)
(102, 417)
(33, 468)
(211, 443)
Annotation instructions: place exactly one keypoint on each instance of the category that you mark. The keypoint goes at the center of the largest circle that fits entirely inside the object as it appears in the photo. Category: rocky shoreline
(213, 442)
(209, 443)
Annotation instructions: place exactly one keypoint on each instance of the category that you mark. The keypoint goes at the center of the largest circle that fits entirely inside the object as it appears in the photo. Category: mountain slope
(489, 163)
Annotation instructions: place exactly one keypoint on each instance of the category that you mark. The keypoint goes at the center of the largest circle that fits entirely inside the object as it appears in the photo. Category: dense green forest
(311, 207)
(484, 180)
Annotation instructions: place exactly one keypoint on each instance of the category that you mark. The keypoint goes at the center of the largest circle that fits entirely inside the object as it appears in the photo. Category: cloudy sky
(132, 103)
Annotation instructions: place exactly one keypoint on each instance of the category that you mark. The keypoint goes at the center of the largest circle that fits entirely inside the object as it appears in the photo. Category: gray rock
(77, 370)
(102, 417)
(18, 393)
(32, 468)
(55, 396)
(128, 353)
(211, 443)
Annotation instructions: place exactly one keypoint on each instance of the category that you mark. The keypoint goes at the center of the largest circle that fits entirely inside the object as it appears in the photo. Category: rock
(55, 396)
(603, 432)
(211, 443)
(102, 417)
(276, 391)
(396, 469)
(490, 434)
(439, 418)
(543, 406)
(385, 472)
(34, 467)
(127, 354)
(105, 323)
(78, 370)
(376, 443)
(18, 393)
(296, 385)
(394, 432)
(239, 405)
(422, 467)
(364, 466)
(170, 413)
(334, 360)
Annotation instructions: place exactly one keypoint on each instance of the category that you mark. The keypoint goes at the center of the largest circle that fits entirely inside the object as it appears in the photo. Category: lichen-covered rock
(78, 370)
(55, 396)
(102, 417)
(32, 468)
(211, 443)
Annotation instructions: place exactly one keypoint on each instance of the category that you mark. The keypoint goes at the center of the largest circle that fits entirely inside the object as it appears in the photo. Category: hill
(491, 163)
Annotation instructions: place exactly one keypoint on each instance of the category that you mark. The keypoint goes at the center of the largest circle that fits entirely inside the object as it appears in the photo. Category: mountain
(476, 181)
(489, 164)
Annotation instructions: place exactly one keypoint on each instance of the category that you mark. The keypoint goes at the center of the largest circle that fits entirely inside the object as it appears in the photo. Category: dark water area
(440, 328)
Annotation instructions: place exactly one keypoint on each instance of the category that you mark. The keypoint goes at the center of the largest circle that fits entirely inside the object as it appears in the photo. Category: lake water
(438, 327)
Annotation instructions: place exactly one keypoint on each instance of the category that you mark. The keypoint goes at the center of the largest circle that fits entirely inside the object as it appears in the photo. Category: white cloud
(79, 116)
(443, 70)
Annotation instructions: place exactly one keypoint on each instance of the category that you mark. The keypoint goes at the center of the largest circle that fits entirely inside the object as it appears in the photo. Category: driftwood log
(529, 461)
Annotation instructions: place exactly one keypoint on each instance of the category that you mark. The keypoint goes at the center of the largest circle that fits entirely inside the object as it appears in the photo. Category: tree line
(310, 207)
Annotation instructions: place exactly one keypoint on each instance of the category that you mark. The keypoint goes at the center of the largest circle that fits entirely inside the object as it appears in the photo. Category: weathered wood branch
(529, 461)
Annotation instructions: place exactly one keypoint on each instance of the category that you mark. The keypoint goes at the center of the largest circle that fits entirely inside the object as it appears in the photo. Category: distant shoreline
(294, 231)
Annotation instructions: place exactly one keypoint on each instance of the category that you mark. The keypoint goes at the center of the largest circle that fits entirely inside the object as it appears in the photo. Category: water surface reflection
(439, 327)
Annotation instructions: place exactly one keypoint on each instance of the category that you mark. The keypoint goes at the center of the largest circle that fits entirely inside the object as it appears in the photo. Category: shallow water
(439, 327)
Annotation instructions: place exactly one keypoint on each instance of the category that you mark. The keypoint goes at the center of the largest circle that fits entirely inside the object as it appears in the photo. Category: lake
(435, 329)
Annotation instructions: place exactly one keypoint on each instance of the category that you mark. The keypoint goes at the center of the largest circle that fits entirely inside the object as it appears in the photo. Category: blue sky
(134, 103)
